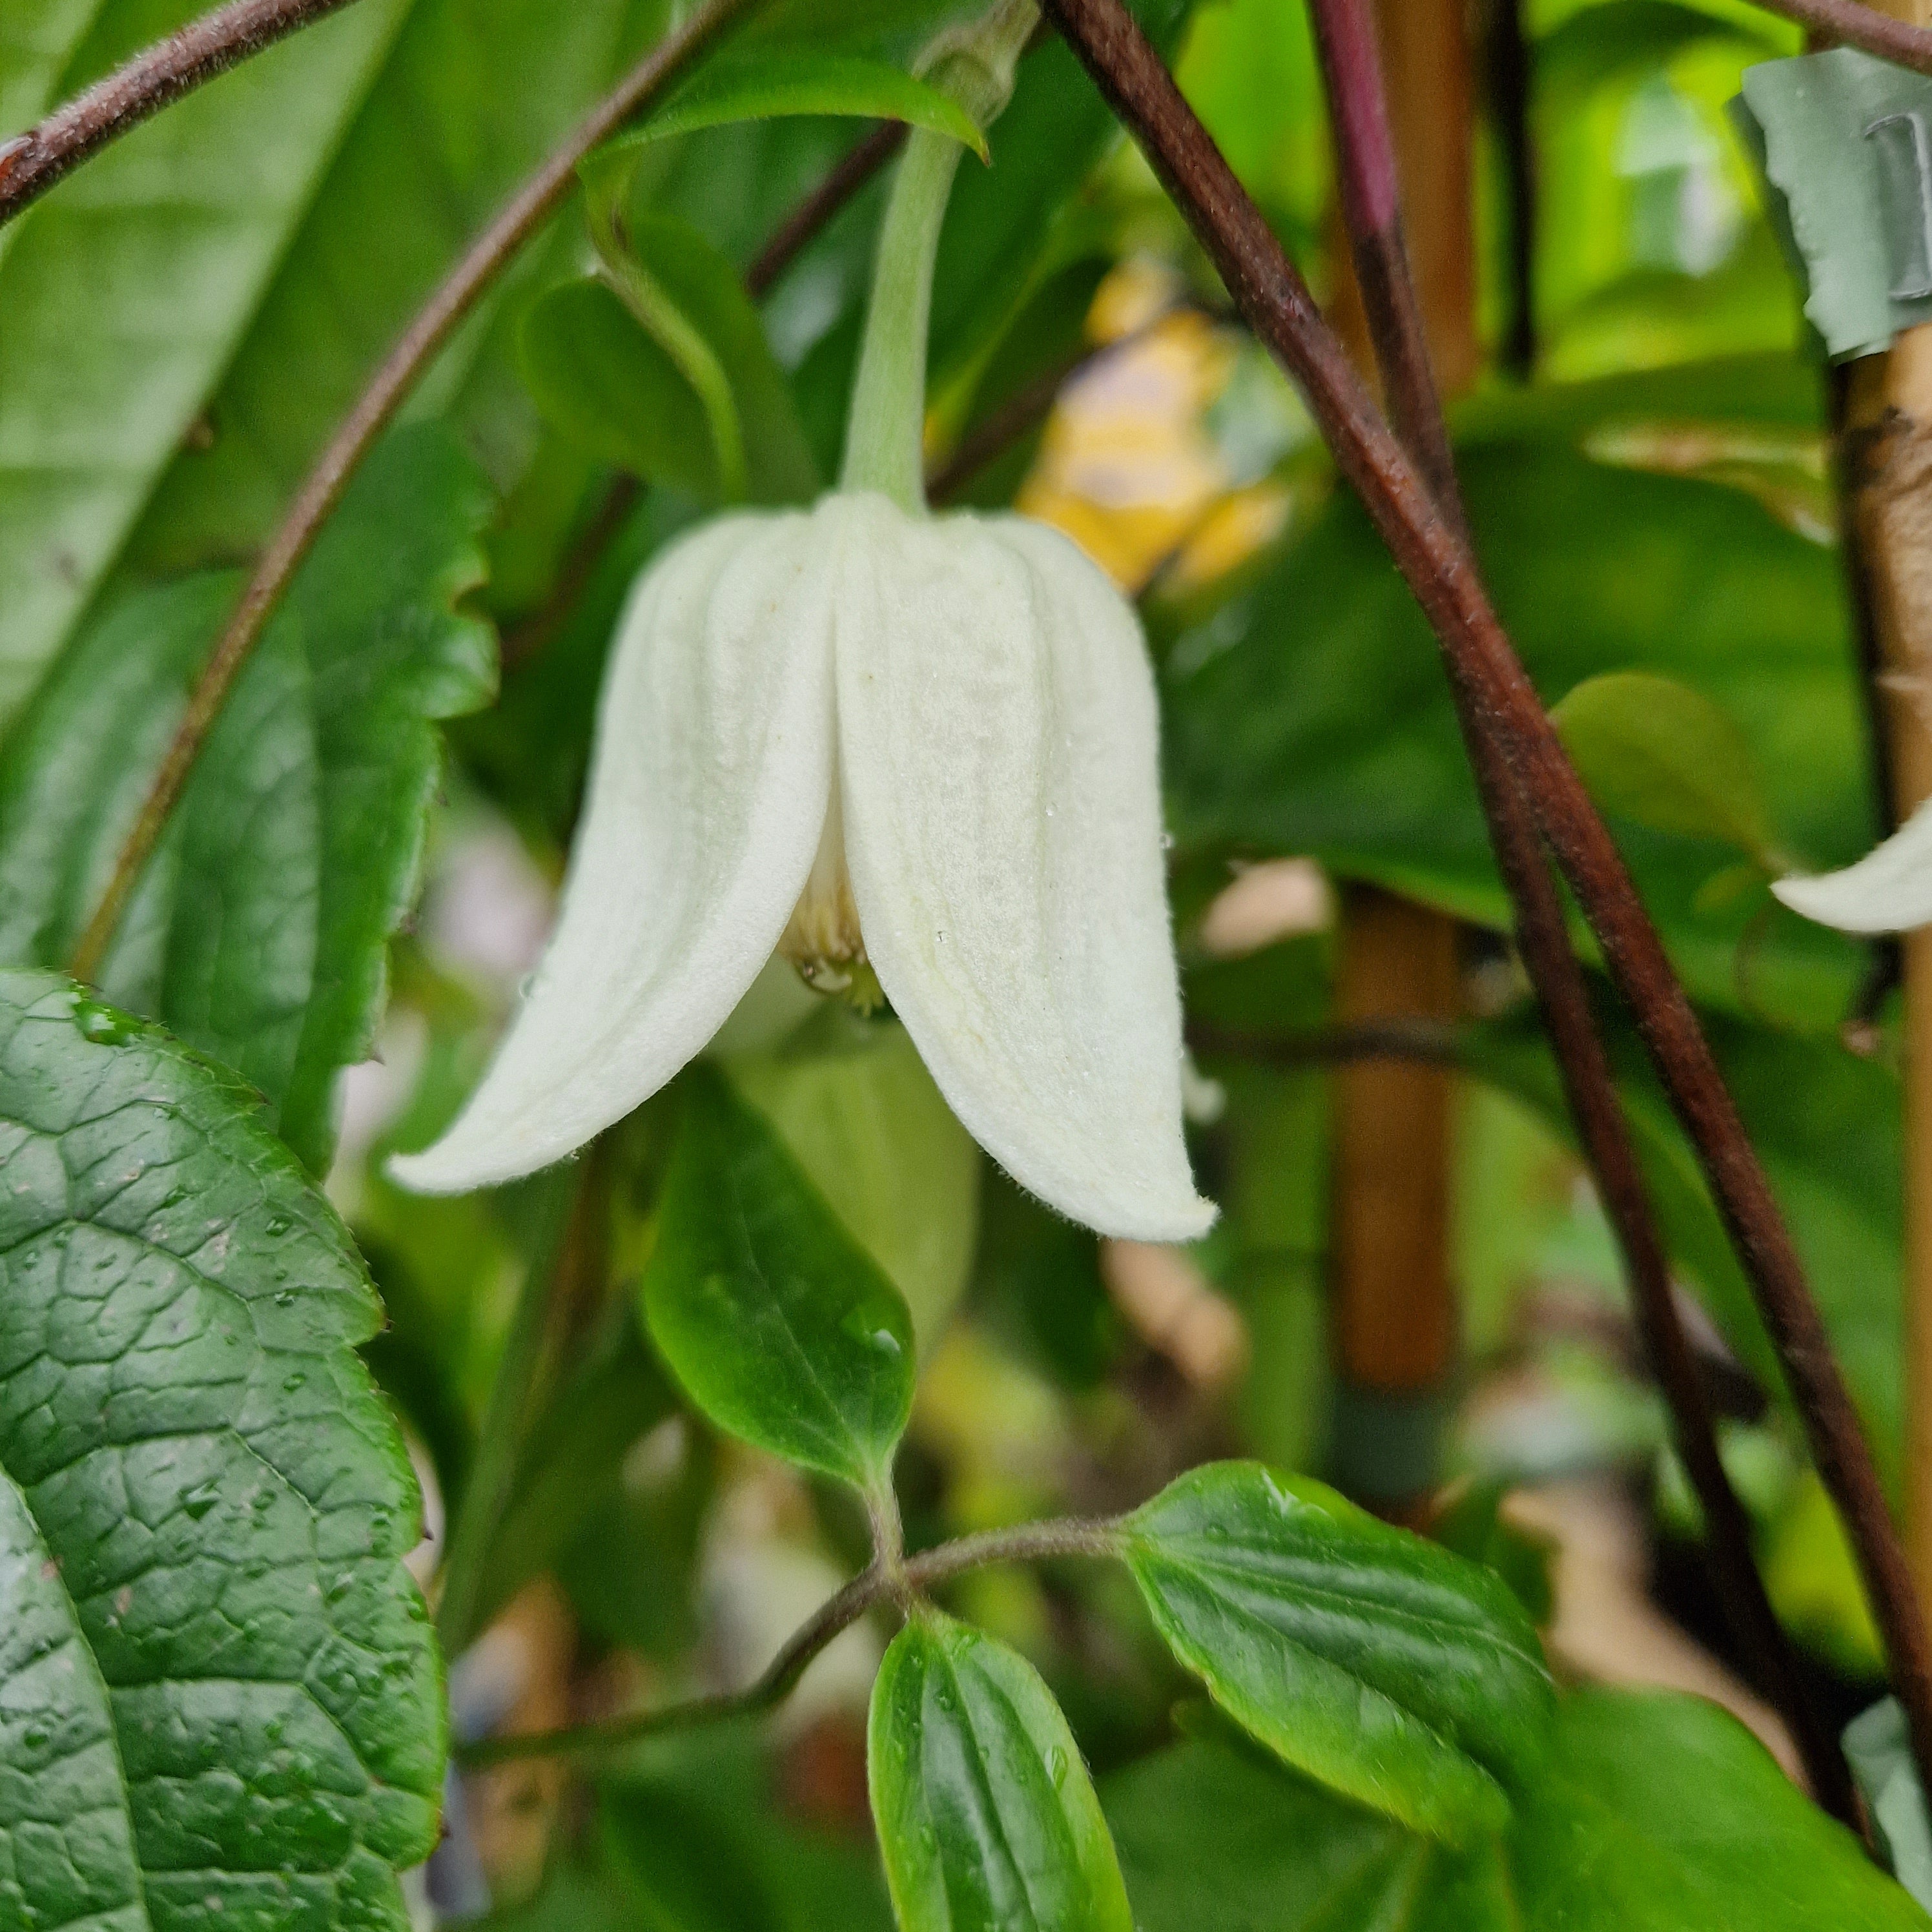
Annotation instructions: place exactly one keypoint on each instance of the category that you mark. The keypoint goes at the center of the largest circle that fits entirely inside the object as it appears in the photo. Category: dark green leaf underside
(1653, 1812)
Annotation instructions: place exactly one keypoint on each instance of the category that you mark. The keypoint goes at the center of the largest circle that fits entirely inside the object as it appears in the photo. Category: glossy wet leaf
(260, 930)
(220, 1701)
(1651, 1811)
(758, 84)
(1378, 1662)
(781, 1328)
(601, 378)
(986, 1818)
(1656, 751)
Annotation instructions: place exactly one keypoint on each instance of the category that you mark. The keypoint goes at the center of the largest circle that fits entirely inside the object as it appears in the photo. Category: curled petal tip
(710, 784)
(1000, 774)
(1888, 890)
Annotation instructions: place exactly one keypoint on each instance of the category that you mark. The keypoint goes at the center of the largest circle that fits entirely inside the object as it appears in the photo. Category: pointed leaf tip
(986, 1816)
(781, 1328)
(1376, 1662)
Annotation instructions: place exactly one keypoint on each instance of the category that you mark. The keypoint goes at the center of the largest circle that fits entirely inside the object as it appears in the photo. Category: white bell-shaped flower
(1888, 890)
(925, 747)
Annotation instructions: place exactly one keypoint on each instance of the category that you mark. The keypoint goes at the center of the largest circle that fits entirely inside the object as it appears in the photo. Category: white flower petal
(998, 757)
(1888, 890)
(711, 779)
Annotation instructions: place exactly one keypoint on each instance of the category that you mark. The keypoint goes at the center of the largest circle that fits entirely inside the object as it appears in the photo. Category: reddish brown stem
(32, 163)
(1345, 38)
(1860, 26)
(1505, 709)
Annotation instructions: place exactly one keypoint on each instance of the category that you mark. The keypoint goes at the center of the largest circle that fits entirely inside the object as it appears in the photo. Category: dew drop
(103, 1024)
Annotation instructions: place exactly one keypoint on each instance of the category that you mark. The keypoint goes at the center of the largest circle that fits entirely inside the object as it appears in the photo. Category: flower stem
(1066, 1536)
(884, 433)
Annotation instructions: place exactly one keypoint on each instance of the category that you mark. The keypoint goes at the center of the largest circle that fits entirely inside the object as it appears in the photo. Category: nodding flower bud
(923, 748)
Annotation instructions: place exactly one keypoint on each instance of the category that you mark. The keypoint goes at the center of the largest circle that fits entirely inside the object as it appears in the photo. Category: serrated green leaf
(220, 1699)
(762, 84)
(781, 1328)
(1376, 1662)
(601, 378)
(124, 291)
(987, 1820)
(1654, 751)
(259, 931)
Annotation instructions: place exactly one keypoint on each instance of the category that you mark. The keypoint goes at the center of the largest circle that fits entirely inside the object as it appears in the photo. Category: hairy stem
(882, 1582)
(1503, 706)
(488, 256)
(883, 432)
(31, 163)
(884, 428)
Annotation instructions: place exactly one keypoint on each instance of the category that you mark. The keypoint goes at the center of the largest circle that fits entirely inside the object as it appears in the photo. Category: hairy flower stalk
(915, 756)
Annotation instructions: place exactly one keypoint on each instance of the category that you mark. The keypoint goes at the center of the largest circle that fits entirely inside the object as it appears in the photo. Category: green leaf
(220, 1700)
(1381, 1664)
(259, 931)
(702, 1835)
(1656, 751)
(40, 37)
(1309, 714)
(1656, 1812)
(124, 291)
(986, 1817)
(1000, 219)
(781, 1328)
(1664, 1810)
(600, 377)
(874, 1135)
(762, 84)
(472, 95)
